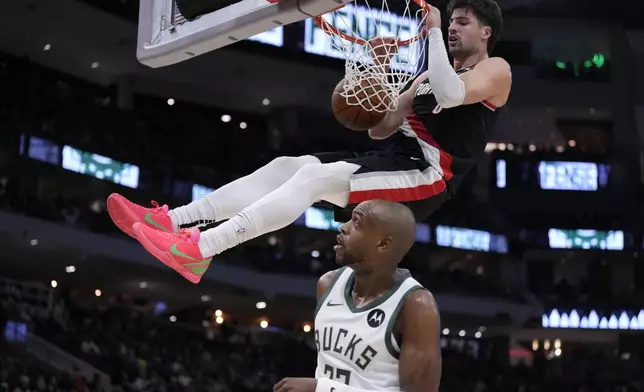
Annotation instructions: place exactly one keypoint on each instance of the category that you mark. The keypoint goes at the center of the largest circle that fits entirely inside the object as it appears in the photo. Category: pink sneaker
(125, 214)
(179, 251)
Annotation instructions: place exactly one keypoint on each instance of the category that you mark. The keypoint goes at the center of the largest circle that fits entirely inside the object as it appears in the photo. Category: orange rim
(332, 30)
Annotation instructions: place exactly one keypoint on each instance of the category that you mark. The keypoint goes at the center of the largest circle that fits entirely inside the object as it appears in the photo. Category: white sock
(233, 232)
(282, 206)
(227, 201)
(199, 211)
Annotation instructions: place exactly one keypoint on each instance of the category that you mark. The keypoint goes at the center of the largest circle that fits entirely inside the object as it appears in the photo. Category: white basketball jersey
(356, 345)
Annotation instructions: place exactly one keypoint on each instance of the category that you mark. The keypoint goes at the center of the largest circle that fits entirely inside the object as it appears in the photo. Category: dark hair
(487, 12)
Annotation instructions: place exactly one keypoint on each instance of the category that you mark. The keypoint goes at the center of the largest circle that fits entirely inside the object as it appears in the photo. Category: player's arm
(490, 79)
(420, 353)
(324, 282)
(393, 120)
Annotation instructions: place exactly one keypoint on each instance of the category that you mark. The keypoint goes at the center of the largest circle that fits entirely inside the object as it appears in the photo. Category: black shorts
(390, 176)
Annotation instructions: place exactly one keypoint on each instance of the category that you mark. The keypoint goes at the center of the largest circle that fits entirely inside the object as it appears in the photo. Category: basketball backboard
(165, 37)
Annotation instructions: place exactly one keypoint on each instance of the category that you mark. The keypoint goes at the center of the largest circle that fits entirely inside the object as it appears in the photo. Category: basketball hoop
(347, 26)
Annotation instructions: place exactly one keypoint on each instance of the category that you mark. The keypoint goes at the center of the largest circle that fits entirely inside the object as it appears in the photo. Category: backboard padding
(161, 42)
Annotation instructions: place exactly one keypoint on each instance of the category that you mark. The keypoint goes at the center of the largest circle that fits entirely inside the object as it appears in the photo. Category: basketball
(348, 112)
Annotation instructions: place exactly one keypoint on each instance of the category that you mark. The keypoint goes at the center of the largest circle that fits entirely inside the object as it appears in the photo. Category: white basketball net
(361, 72)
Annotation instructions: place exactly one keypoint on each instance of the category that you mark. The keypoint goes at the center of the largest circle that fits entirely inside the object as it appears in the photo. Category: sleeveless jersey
(450, 140)
(356, 345)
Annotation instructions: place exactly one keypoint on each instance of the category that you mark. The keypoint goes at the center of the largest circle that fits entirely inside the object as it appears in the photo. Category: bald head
(394, 220)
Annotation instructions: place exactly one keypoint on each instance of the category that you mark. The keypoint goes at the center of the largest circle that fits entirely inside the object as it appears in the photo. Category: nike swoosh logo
(199, 268)
(330, 304)
(177, 252)
(148, 219)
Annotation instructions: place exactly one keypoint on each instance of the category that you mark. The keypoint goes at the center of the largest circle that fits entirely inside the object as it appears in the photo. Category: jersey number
(341, 375)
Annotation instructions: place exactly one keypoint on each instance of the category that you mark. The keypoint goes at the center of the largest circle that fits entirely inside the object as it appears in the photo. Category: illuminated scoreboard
(546, 183)
(552, 175)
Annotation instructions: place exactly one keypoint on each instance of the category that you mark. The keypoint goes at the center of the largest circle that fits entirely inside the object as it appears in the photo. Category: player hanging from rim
(441, 126)
(376, 328)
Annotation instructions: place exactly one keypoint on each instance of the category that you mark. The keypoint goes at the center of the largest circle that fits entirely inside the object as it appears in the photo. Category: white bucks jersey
(356, 345)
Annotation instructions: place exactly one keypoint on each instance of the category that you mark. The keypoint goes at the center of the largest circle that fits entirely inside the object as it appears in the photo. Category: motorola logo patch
(375, 318)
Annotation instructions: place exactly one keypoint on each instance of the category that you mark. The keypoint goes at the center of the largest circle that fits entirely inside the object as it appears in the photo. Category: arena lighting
(33, 242)
(461, 333)
(54, 284)
(315, 253)
(266, 101)
(306, 328)
(260, 305)
(446, 331)
(70, 269)
(47, 47)
(200, 191)
(478, 334)
(143, 285)
(577, 319)
(243, 125)
(205, 298)
(218, 313)
(95, 65)
(160, 307)
(173, 319)
(98, 292)
(263, 323)
(598, 61)
(219, 320)
(226, 118)
(170, 101)
(572, 143)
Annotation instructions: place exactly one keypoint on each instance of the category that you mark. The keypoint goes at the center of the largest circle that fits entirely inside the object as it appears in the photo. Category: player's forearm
(393, 120)
(447, 86)
(327, 385)
(386, 127)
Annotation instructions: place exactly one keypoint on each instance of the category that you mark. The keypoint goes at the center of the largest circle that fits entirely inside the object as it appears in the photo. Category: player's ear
(385, 243)
(486, 32)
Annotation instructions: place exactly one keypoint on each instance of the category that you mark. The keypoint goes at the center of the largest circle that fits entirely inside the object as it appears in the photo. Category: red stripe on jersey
(420, 192)
(445, 160)
(488, 105)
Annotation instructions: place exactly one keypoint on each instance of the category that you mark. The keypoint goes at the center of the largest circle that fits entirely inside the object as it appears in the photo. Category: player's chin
(342, 260)
(339, 259)
(454, 48)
